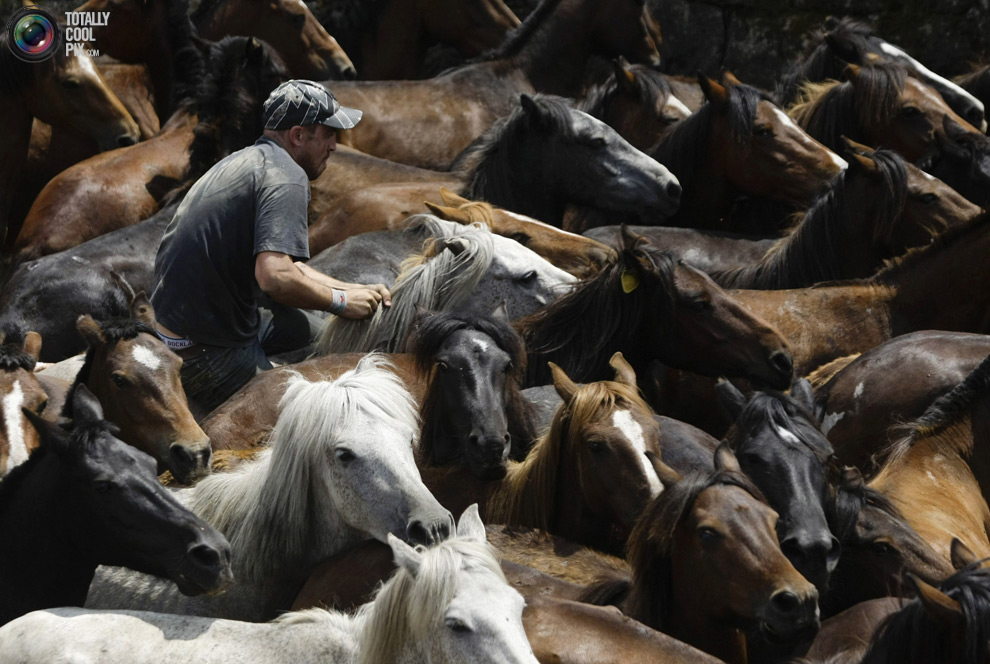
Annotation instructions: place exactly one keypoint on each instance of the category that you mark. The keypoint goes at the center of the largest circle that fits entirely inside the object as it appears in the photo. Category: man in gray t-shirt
(239, 236)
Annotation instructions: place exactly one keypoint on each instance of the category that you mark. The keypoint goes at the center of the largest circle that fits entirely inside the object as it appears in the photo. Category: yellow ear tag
(630, 281)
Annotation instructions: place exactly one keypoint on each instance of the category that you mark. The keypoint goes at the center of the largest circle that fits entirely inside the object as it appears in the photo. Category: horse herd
(711, 362)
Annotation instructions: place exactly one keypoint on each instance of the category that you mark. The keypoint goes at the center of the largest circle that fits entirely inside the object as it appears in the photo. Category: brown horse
(287, 25)
(879, 105)
(891, 383)
(926, 289)
(707, 565)
(427, 123)
(650, 307)
(136, 376)
(122, 187)
(388, 40)
(877, 209)
(576, 254)
(65, 91)
(588, 477)
(740, 142)
(938, 472)
(19, 389)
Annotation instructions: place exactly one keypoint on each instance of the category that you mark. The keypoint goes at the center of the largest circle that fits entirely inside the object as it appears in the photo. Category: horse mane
(833, 109)
(581, 329)
(651, 543)
(812, 252)
(267, 508)
(113, 330)
(520, 36)
(188, 63)
(820, 63)
(848, 501)
(229, 99)
(407, 607)
(438, 279)
(425, 338)
(204, 12)
(684, 146)
(488, 166)
(776, 409)
(527, 496)
(914, 635)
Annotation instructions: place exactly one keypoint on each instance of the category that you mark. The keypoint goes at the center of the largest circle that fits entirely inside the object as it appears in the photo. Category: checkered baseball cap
(301, 102)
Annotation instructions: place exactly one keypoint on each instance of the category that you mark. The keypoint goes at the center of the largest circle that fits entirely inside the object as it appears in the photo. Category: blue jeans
(212, 374)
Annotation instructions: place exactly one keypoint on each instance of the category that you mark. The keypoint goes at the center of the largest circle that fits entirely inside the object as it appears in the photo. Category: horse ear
(501, 311)
(631, 240)
(962, 556)
(729, 79)
(470, 526)
(32, 344)
(565, 387)
(531, 107)
(714, 91)
(450, 198)
(668, 476)
(624, 77)
(725, 458)
(852, 147)
(844, 49)
(405, 556)
(86, 407)
(90, 330)
(254, 50)
(456, 245)
(830, 23)
(142, 310)
(802, 392)
(851, 478)
(624, 372)
(864, 162)
(449, 213)
(939, 605)
(50, 433)
(851, 72)
(731, 398)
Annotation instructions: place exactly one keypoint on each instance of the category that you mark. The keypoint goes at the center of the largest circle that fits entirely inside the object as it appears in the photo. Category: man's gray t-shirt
(252, 201)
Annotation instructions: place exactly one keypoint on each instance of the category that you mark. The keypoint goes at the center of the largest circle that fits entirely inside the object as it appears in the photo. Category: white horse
(449, 603)
(339, 470)
(467, 269)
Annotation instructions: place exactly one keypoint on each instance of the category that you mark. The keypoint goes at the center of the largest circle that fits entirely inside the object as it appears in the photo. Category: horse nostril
(474, 439)
(785, 602)
(204, 555)
(349, 73)
(125, 140)
(418, 534)
(673, 190)
(181, 458)
(782, 362)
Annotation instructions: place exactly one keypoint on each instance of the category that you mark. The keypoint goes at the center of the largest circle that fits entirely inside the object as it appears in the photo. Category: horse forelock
(13, 356)
(743, 101)
(649, 549)
(683, 147)
(913, 634)
(270, 509)
(440, 283)
(650, 86)
(777, 410)
(877, 89)
(408, 608)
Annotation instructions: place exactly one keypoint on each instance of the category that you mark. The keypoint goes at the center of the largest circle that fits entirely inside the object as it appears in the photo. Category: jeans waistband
(175, 343)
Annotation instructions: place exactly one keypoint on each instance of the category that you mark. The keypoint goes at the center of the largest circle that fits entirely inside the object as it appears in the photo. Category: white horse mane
(266, 508)
(439, 283)
(407, 608)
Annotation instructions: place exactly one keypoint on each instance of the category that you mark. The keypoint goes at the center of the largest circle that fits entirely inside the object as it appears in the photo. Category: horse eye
(910, 111)
(441, 365)
(71, 83)
(707, 535)
(597, 142)
(528, 277)
(698, 305)
(102, 486)
(119, 380)
(883, 548)
(458, 626)
(509, 366)
(521, 238)
(42, 406)
(596, 446)
(929, 198)
(345, 455)
(299, 19)
(762, 131)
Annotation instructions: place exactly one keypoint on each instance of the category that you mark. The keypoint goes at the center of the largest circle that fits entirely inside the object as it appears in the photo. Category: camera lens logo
(33, 35)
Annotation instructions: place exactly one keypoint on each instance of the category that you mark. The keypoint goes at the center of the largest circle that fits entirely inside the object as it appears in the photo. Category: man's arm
(285, 283)
(329, 281)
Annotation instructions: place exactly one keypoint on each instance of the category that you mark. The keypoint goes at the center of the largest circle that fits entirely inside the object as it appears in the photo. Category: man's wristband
(338, 301)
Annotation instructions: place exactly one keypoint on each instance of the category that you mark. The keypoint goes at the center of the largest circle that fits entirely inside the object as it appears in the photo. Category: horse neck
(524, 193)
(160, 62)
(42, 566)
(395, 47)
(950, 276)
(707, 194)
(688, 622)
(554, 56)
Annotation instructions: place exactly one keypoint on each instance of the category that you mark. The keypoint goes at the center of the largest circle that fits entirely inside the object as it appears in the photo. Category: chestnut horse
(891, 383)
(938, 472)
(650, 307)
(879, 105)
(120, 188)
(846, 41)
(388, 39)
(706, 566)
(877, 209)
(19, 389)
(587, 478)
(65, 91)
(427, 123)
(591, 164)
(736, 143)
(287, 25)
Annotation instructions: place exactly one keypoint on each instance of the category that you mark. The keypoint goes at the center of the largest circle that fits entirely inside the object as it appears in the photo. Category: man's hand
(364, 300)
